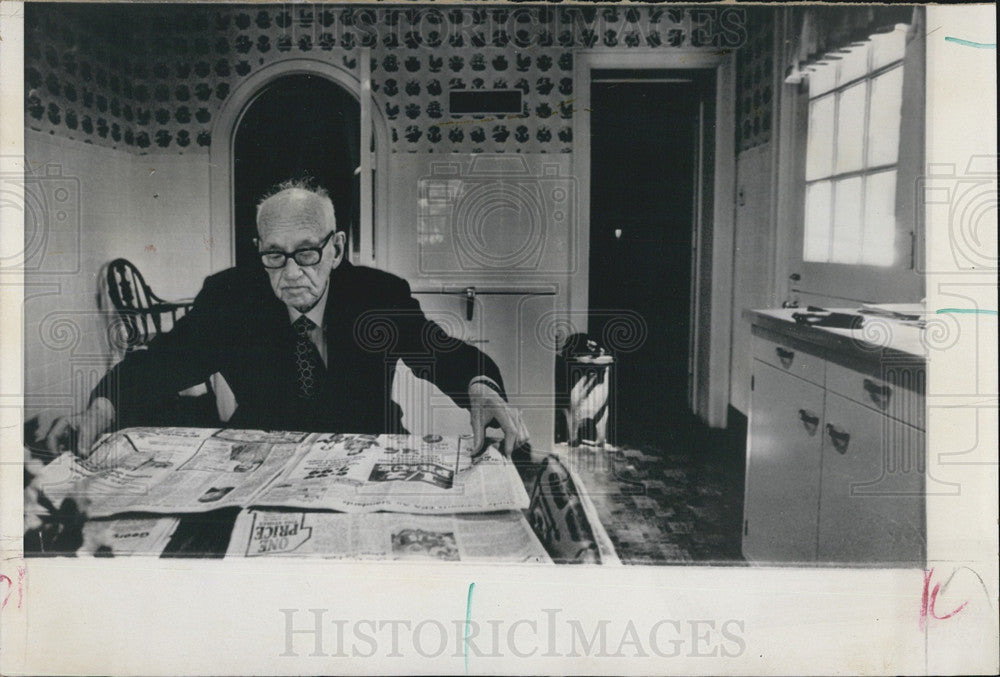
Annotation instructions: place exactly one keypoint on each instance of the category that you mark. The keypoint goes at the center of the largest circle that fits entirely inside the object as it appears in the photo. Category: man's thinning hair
(305, 183)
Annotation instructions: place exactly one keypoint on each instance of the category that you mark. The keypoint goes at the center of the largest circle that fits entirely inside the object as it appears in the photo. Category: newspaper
(490, 537)
(123, 537)
(170, 470)
(189, 470)
(396, 473)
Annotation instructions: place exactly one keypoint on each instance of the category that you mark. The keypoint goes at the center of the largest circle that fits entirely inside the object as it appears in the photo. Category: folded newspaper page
(489, 537)
(146, 536)
(189, 470)
(170, 470)
(396, 473)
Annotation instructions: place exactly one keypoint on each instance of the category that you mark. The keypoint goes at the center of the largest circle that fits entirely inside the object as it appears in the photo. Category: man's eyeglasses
(307, 256)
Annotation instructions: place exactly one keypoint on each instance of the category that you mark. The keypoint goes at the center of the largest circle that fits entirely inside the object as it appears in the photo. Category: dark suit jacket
(238, 327)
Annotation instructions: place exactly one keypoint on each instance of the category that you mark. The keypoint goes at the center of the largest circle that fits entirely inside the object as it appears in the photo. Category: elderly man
(306, 341)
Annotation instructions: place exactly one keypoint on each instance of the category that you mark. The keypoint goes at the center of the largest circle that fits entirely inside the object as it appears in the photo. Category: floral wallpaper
(755, 72)
(151, 78)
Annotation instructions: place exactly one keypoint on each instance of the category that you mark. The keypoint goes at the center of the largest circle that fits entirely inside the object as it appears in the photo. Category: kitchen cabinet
(871, 497)
(783, 473)
(835, 447)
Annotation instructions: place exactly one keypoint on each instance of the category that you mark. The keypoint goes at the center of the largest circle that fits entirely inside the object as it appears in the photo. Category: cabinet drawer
(899, 394)
(790, 360)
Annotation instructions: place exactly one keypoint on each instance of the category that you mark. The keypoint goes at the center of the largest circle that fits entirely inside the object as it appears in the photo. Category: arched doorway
(298, 124)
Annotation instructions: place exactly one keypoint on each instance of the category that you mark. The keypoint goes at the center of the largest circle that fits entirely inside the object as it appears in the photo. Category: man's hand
(77, 433)
(487, 405)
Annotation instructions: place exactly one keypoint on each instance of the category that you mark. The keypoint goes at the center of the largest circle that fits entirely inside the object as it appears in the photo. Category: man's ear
(339, 247)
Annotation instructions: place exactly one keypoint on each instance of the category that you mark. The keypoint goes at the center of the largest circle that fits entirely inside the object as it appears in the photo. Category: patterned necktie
(308, 363)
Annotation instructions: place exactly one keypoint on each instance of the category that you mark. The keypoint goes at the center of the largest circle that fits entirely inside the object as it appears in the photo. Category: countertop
(879, 341)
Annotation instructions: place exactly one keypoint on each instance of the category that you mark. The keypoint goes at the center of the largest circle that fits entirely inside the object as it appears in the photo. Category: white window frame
(866, 170)
(841, 284)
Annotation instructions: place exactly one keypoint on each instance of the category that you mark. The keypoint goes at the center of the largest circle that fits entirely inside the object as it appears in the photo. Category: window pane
(854, 63)
(884, 116)
(847, 221)
(888, 47)
(822, 78)
(878, 248)
(819, 148)
(851, 128)
(816, 240)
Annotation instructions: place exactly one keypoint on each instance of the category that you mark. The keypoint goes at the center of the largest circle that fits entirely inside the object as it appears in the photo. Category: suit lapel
(338, 313)
(274, 341)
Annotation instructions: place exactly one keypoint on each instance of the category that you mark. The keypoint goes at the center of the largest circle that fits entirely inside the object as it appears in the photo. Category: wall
(63, 324)
(147, 84)
(151, 80)
(148, 78)
(754, 254)
(168, 207)
(87, 205)
(752, 261)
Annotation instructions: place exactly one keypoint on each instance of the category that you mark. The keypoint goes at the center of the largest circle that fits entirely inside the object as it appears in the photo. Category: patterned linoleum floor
(680, 503)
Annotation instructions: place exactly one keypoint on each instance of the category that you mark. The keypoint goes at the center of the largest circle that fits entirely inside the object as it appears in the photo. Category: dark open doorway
(298, 125)
(646, 164)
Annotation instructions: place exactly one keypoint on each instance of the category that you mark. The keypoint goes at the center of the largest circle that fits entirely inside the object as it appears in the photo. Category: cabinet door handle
(840, 438)
(879, 394)
(786, 356)
(809, 420)
(470, 302)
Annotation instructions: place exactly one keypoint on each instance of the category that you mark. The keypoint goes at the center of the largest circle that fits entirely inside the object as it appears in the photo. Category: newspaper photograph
(490, 537)
(722, 277)
(428, 474)
(169, 470)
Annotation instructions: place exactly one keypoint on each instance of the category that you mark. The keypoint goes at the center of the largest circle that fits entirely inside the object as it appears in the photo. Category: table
(560, 514)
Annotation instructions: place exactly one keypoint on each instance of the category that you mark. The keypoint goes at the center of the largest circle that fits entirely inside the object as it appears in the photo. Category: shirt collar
(316, 314)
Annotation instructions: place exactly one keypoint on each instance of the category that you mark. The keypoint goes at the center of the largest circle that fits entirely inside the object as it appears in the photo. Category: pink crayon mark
(150, 248)
(928, 601)
(10, 589)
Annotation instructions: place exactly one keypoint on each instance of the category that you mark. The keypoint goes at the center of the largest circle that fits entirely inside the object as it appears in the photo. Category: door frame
(713, 246)
(222, 171)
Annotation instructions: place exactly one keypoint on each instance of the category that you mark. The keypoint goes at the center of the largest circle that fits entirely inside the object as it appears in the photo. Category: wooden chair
(143, 316)
(142, 312)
